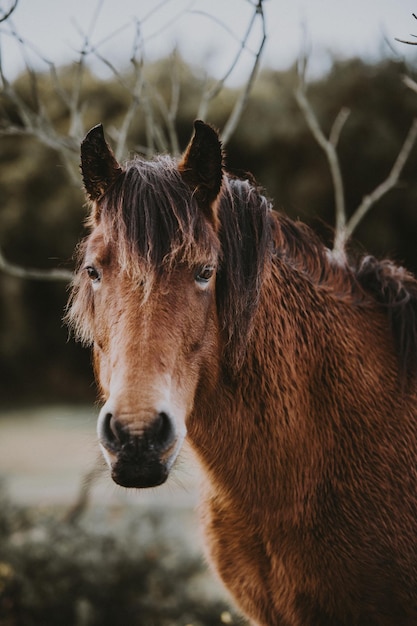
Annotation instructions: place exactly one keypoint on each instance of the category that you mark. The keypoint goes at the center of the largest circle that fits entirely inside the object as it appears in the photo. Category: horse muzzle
(138, 458)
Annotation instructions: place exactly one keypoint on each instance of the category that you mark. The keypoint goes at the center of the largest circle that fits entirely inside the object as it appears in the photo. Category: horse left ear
(98, 163)
(201, 167)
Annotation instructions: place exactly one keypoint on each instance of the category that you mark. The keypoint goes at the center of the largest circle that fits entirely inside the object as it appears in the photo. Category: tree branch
(329, 148)
(33, 274)
(240, 104)
(35, 119)
(9, 12)
(392, 179)
(410, 43)
(410, 83)
(338, 125)
(211, 93)
(159, 113)
(136, 61)
(344, 228)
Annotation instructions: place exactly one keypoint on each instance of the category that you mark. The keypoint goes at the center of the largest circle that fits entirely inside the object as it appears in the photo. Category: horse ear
(99, 167)
(202, 167)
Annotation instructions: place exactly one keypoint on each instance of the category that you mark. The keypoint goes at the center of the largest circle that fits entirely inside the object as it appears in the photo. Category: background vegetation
(106, 566)
(42, 206)
(110, 568)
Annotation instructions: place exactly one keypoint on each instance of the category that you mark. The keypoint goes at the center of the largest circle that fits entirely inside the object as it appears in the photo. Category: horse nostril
(112, 433)
(162, 431)
(156, 436)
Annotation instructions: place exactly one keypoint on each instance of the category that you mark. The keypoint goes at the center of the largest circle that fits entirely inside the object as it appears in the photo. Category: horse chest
(285, 581)
(257, 572)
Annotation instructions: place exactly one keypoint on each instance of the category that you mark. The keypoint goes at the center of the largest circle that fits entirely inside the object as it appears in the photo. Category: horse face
(152, 346)
(149, 354)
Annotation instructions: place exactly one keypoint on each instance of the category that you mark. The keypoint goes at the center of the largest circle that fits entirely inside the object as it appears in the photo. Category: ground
(45, 455)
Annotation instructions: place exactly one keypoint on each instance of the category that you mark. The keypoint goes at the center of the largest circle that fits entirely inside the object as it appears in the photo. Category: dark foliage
(108, 569)
(42, 213)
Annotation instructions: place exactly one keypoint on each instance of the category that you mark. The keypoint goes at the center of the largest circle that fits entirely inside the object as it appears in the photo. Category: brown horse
(293, 376)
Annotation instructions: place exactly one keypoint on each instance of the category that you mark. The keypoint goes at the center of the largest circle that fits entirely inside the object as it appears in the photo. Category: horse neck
(241, 424)
(267, 432)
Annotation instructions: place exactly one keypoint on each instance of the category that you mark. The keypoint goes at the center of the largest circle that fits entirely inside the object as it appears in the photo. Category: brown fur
(294, 375)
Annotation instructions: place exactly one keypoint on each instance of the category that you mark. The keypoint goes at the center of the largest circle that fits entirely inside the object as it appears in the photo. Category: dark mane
(152, 217)
(298, 246)
(395, 289)
(391, 286)
(247, 242)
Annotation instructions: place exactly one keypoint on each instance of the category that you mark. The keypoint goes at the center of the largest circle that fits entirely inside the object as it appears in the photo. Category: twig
(211, 93)
(169, 111)
(174, 104)
(135, 93)
(33, 274)
(9, 12)
(338, 125)
(79, 507)
(410, 43)
(410, 83)
(329, 148)
(392, 179)
(344, 228)
(240, 104)
(35, 120)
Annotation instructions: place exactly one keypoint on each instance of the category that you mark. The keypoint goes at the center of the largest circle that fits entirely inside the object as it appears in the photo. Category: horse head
(144, 297)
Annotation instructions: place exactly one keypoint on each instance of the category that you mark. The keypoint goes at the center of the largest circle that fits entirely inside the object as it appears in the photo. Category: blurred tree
(287, 159)
(43, 118)
(150, 108)
(41, 212)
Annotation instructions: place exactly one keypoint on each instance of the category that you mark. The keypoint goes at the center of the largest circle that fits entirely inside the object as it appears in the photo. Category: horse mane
(247, 242)
(395, 289)
(367, 279)
(152, 218)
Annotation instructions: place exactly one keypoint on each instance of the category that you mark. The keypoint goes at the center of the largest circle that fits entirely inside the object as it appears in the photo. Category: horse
(291, 372)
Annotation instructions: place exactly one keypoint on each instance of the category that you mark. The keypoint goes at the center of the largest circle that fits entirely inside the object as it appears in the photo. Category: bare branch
(344, 228)
(33, 274)
(329, 148)
(240, 104)
(89, 479)
(174, 104)
(159, 114)
(135, 93)
(338, 125)
(35, 119)
(9, 12)
(410, 83)
(211, 93)
(76, 127)
(168, 111)
(392, 179)
(168, 24)
(218, 86)
(410, 43)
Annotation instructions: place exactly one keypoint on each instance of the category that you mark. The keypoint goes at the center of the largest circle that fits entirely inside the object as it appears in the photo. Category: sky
(206, 32)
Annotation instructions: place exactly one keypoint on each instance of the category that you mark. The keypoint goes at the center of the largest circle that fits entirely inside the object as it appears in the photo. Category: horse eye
(204, 274)
(93, 273)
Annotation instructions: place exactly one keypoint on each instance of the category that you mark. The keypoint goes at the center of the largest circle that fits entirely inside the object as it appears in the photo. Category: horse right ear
(201, 167)
(99, 167)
